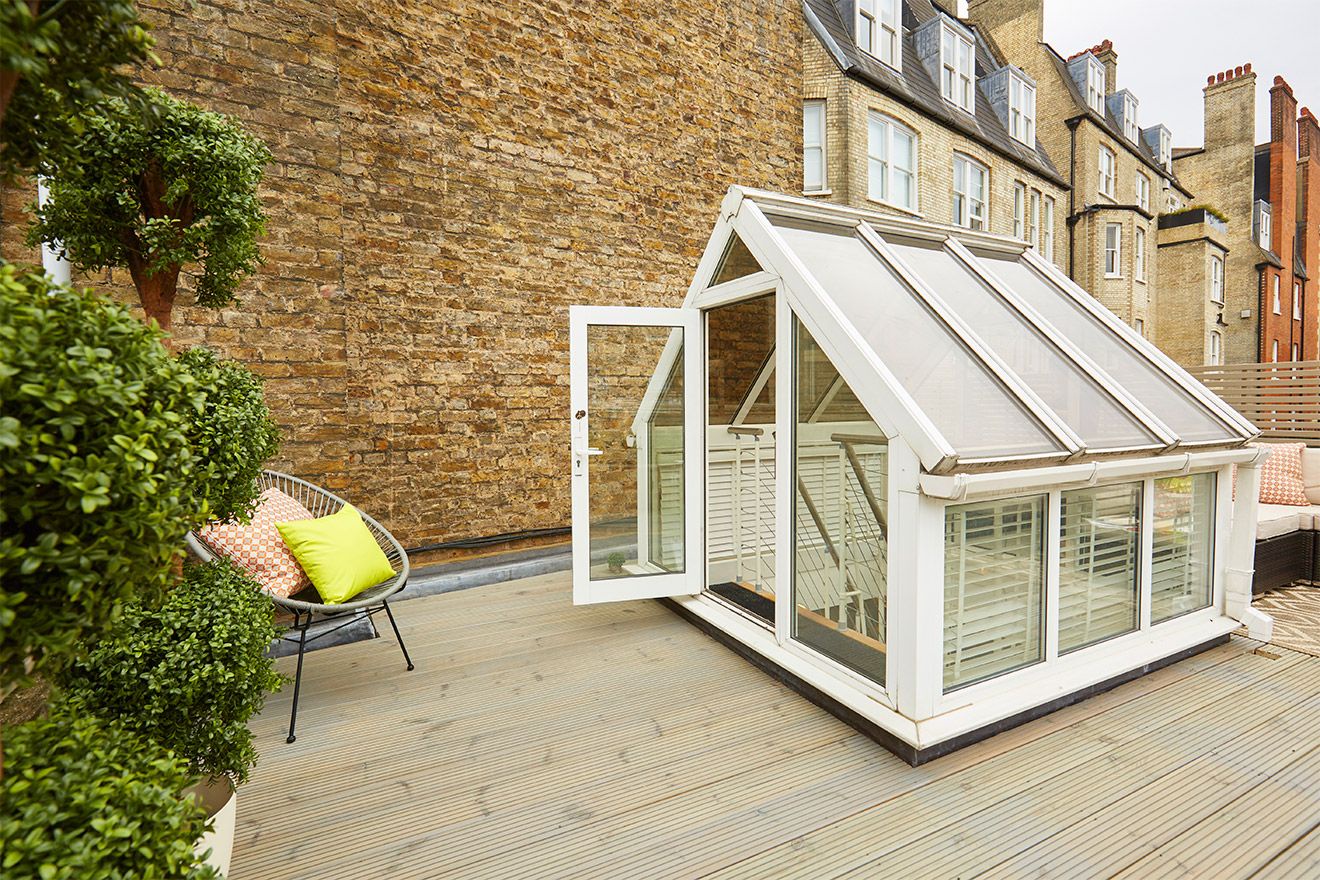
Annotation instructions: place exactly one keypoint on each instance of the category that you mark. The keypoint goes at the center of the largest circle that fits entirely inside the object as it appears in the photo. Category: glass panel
(994, 588)
(1181, 568)
(736, 263)
(1081, 403)
(840, 558)
(635, 485)
(971, 409)
(1098, 573)
(740, 463)
(1186, 417)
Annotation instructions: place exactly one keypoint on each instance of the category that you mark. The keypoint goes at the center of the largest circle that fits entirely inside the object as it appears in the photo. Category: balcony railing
(1282, 399)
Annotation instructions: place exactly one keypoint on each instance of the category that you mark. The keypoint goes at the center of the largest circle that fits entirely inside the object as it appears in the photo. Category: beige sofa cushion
(1273, 520)
(1311, 474)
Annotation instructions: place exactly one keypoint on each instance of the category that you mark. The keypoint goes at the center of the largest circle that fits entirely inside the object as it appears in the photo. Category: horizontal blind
(1182, 563)
(994, 564)
(1098, 564)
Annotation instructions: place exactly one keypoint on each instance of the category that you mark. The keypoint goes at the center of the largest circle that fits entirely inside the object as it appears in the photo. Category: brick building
(439, 171)
(906, 109)
(1121, 174)
(1270, 194)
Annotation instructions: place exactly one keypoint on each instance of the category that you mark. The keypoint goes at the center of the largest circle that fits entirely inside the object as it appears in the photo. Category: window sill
(909, 211)
(1139, 280)
(1104, 195)
(1109, 277)
(812, 193)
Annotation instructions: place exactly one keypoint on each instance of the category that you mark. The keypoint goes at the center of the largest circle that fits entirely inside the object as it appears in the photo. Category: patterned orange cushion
(1281, 475)
(258, 547)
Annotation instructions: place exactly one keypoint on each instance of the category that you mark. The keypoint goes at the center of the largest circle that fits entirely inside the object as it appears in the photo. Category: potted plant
(87, 798)
(615, 562)
(187, 674)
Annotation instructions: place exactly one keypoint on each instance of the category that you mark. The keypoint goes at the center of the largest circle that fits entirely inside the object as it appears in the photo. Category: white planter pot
(221, 803)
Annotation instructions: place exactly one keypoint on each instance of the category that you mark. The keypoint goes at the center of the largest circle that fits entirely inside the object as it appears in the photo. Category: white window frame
(1139, 254)
(1130, 129)
(1264, 230)
(1297, 300)
(1021, 110)
(1140, 326)
(1108, 171)
(1274, 352)
(877, 29)
(1033, 218)
(964, 170)
(1216, 354)
(1142, 185)
(1217, 280)
(1296, 352)
(1095, 84)
(957, 73)
(1166, 148)
(814, 141)
(1114, 254)
(885, 195)
(1278, 304)
(1048, 228)
(1020, 211)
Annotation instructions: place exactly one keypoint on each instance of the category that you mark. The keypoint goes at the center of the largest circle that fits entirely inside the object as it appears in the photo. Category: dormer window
(1166, 148)
(1262, 223)
(877, 30)
(1130, 130)
(957, 68)
(1022, 110)
(1095, 85)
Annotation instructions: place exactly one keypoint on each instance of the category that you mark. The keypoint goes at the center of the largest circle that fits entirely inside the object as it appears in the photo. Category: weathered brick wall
(448, 179)
(1186, 313)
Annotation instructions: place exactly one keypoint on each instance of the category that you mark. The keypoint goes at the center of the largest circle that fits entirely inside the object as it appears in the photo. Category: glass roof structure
(992, 356)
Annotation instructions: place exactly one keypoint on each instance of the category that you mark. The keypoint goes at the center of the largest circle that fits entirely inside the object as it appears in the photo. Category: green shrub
(189, 673)
(95, 466)
(232, 436)
(154, 189)
(81, 799)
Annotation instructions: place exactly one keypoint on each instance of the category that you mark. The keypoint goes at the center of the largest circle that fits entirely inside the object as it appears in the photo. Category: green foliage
(153, 189)
(1213, 212)
(232, 437)
(190, 673)
(84, 800)
(95, 464)
(58, 59)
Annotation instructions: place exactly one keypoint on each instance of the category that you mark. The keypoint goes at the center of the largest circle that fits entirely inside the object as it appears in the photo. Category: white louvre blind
(1181, 567)
(1101, 533)
(993, 588)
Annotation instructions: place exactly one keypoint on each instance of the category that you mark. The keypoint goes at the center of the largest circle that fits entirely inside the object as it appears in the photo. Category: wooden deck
(538, 740)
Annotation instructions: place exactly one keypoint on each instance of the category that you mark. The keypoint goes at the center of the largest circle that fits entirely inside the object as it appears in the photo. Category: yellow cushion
(338, 553)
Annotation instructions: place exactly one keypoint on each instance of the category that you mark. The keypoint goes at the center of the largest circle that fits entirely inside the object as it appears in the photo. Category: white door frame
(641, 585)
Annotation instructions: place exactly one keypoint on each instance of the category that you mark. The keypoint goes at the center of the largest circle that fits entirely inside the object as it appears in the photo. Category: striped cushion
(1281, 475)
(258, 547)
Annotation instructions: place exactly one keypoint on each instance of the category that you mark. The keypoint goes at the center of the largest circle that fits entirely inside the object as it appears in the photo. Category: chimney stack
(1230, 107)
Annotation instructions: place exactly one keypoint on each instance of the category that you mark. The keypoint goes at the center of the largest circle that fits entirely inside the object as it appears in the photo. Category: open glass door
(636, 393)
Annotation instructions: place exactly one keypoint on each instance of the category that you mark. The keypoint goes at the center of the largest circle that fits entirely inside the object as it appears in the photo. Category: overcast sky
(1166, 49)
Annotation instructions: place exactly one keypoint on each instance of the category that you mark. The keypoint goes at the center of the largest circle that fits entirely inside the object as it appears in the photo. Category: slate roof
(1108, 122)
(829, 21)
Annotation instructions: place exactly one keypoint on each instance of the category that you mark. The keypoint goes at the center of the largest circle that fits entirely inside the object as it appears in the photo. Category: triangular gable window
(736, 263)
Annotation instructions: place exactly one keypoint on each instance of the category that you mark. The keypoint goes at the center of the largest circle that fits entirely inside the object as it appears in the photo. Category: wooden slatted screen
(1282, 399)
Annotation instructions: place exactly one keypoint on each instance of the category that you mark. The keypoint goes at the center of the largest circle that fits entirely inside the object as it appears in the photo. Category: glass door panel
(633, 423)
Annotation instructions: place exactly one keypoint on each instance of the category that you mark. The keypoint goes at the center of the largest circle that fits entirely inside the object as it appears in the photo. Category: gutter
(1072, 195)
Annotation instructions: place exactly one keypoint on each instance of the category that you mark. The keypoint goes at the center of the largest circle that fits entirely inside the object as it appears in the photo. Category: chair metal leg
(402, 646)
(297, 680)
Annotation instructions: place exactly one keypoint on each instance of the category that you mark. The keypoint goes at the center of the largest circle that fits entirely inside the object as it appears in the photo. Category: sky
(1166, 49)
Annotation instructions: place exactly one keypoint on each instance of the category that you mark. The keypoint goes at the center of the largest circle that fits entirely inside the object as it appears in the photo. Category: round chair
(306, 606)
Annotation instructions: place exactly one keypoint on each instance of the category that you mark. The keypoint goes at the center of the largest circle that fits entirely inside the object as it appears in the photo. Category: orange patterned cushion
(1281, 475)
(258, 546)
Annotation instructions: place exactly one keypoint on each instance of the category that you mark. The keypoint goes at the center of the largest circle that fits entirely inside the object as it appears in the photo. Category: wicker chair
(367, 603)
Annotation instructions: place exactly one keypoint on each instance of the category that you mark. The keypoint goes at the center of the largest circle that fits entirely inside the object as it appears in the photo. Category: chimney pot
(1237, 71)
(1210, 80)
(1246, 68)
(1220, 77)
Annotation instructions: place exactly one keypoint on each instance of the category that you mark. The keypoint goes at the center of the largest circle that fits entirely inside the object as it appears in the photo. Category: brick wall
(1186, 314)
(448, 178)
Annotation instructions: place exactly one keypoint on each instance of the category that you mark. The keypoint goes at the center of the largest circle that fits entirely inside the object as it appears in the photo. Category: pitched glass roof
(996, 355)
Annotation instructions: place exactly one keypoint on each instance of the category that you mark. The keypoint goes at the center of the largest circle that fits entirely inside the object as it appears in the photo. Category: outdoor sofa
(1288, 537)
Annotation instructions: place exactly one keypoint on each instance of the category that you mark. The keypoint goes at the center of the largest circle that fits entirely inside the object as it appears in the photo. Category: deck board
(539, 740)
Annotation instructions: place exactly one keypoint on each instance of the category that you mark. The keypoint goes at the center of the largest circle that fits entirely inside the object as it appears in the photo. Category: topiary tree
(155, 189)
(58, 59)
(232, 435)
(96, 466)
(84, 799)
(189, 673)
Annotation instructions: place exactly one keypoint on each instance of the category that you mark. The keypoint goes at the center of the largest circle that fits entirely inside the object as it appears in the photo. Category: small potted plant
(615, 562)
(188, 674)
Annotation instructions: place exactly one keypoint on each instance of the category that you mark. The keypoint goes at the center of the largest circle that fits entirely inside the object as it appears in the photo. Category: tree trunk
(156, 291)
